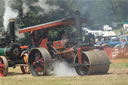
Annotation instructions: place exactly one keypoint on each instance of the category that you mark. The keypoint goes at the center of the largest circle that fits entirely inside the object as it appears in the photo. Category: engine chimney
(78, 25)
(12, 30)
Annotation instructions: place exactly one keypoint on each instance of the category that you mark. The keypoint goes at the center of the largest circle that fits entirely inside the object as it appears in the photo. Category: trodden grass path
(117, 75)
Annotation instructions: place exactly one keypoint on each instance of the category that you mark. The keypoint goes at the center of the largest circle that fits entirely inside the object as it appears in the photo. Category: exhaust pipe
(78, 26)
(12, 30)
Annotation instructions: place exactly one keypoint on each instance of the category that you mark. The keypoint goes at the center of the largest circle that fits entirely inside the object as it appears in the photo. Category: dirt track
(119, 66)
(117, 75)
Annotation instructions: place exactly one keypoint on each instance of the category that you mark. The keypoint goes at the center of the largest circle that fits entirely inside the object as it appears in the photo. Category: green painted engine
(11, 52)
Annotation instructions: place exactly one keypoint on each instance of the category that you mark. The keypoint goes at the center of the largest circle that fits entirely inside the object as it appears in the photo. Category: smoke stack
(12, 30)
(78, 25)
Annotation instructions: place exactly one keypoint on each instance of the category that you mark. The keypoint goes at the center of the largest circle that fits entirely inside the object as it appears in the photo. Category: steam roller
(10, 56)
(93, 62)
(11, 53)
(76, 49)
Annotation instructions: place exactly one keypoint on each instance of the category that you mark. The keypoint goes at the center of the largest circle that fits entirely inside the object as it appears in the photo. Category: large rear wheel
(3, 66)
(39, 61)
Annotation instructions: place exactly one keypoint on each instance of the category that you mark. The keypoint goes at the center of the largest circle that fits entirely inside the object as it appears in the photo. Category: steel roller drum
(98, 62)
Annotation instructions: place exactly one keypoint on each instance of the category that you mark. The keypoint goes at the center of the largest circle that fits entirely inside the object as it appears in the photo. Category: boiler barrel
(2, 51)
(12, 51)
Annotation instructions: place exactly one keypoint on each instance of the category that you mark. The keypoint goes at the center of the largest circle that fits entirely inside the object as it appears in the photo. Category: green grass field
(117, 75)
(117, 31)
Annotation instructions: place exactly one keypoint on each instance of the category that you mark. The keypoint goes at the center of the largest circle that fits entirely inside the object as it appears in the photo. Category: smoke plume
(12, 8)
(21, 35)
(61, 68)
(25, 8)
(9, 13)
(44, 6)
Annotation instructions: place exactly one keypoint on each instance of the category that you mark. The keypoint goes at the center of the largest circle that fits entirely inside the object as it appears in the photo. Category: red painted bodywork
(2, 66)
(58, 44)
(24, 47)
(48, 25)
(63, 22)
(79, 52)
(43, 43)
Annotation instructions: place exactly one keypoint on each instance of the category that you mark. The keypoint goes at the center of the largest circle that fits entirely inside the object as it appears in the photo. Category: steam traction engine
(77, 50)
(11, 53)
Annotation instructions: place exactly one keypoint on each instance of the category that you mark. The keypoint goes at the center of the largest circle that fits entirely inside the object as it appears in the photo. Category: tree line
(96, 12)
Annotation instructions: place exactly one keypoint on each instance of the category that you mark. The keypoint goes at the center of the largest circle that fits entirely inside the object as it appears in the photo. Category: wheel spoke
(37, 61)
(38, 64)
(25, 69)
(2, 70)
(39, 69)
(82, 70)
(2, 66)
(1, 61)
(41, 62)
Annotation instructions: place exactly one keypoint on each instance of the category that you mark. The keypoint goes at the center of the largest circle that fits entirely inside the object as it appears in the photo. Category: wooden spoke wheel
(25, 69)
(3, 66)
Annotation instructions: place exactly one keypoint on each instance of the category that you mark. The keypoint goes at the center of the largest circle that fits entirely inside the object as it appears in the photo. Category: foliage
(97, 12)
(1, 12)
(33, 16)
(103, 12)
(120, 31)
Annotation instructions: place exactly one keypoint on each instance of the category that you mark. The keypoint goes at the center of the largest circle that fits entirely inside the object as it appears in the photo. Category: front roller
(93, 62)
(39, 62)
